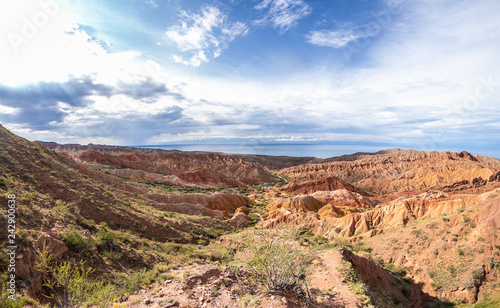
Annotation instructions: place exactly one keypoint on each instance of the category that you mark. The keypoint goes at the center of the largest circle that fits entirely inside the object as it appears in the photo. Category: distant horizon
(352, 149)
(292, 149)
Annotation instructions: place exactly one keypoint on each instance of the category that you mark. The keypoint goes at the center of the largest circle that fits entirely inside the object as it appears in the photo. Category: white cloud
(196, 60)
(37, 134)
(59, 50)
(152, 3)
(7, 110)
(421, 69)
(282, 14)
(203, 36)
(331, 38)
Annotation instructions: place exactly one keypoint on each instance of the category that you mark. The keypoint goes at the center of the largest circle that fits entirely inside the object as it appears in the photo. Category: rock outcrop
(344, 198)
(325, 184)
(198, 204)
(297, 204)
(394, 214)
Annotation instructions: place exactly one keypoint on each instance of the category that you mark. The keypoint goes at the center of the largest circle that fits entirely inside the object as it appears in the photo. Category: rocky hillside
(67, 212)
(395, 171)
(181, 168)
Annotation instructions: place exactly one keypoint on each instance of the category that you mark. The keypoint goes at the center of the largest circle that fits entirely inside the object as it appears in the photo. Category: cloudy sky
(422, 74)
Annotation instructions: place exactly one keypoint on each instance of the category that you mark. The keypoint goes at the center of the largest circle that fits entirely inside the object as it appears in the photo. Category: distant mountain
(182, 168)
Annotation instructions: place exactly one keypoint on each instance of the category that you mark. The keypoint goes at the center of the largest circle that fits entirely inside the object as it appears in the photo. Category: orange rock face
(197, 204)
(330, 222)
(401, 170)
(326, 184)
(297, 204)
(344, 198)
(330, 211)
(242, 210)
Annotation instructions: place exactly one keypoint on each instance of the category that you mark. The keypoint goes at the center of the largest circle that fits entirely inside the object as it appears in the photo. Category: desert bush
(18, 302)
(398, 271)
(379, 260)
(360, 246)
(133, 281)
(309, 238)
(69, 283)
(76, 242)
(275, 262)
(105, 238)
(436, 286)
(340, 242)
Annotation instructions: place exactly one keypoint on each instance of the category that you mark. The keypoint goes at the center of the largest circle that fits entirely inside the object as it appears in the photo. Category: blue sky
(386, 73)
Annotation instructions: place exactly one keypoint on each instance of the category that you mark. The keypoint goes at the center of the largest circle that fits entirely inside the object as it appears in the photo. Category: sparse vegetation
(398, 271)
(70, 284)
(361, 247)
(274, 262)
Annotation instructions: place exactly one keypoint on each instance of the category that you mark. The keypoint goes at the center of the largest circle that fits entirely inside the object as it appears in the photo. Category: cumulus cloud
(282, 14)
(333, 38)
(203, 36)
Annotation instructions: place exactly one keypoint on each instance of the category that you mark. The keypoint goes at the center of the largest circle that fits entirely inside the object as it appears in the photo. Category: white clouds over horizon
(203, 36)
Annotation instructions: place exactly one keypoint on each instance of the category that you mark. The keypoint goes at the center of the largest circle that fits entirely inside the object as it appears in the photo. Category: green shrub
(70, 285)
(436, 286)
(379, 260)
(360, 246)
(340, 242)
(105, 238)
(76, 242)
(398, 271)
(275, 263)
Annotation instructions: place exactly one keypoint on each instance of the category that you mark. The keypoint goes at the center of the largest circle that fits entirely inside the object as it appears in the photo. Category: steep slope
(73, 213)
(344, 198)
(447, 245)
(395, 214)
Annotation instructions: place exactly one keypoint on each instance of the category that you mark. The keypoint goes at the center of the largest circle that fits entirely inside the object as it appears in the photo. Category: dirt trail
(328, 279)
